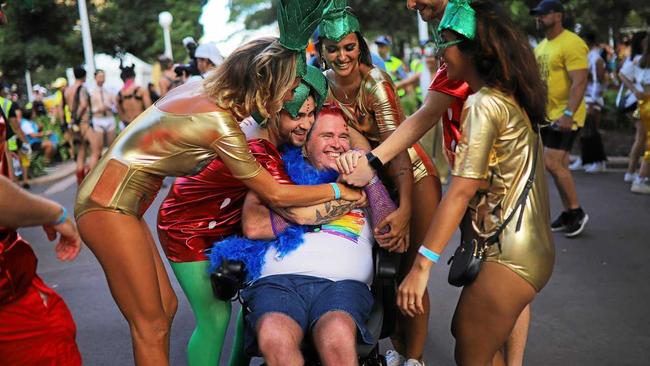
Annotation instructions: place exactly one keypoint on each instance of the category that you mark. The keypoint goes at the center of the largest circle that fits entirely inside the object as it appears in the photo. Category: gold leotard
(497, 144)
(377, 110)
(158, 144)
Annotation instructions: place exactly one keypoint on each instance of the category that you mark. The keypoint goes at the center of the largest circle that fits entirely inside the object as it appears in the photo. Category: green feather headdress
(297, 20)
(313, 83)
(459, 17)
(338, 21)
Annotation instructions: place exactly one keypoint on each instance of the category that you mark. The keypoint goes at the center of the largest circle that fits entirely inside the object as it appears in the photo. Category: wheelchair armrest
(386, 264)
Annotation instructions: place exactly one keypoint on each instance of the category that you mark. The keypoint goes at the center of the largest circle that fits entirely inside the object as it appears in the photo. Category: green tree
(132, 26)
(41, 37)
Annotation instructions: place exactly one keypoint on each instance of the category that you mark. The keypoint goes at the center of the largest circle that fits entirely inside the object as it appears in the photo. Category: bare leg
(140, 286)
(279, 337)
(637, 147)
(95, 141)
(517, 340)
(413, 331)
(555, 161)
(335, 339)
(487, 312)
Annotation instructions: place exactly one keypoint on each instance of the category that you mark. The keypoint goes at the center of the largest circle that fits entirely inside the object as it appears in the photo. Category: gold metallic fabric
(497, 146)
(376, 110)
(158, 144)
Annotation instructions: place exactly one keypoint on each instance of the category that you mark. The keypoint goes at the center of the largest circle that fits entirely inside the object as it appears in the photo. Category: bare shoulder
(187, 99)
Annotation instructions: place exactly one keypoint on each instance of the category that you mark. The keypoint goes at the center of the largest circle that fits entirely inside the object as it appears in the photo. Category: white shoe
(393, 358)
(413, 362)
(576, 165)
(630, 177)
(641, 185)
(597, 167)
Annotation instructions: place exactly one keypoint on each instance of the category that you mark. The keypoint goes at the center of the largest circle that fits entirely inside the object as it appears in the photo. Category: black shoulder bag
(467, 259)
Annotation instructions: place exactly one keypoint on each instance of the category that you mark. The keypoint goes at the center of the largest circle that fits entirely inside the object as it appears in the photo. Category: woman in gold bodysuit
(494, 160)
(368, 98)
(177, 136)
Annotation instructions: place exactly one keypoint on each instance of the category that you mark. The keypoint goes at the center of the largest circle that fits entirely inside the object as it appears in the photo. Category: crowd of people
(294, 174)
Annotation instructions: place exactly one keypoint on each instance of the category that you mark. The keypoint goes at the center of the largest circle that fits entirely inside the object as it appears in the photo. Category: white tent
(111, 67)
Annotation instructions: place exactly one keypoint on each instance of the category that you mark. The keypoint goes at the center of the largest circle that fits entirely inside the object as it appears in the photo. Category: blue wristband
(337, 191)
(567, 112)
(62, 217)
(429, 254)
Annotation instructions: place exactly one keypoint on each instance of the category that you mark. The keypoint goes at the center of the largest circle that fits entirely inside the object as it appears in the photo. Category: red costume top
(204, 208)
(451, 120)
(17, 259)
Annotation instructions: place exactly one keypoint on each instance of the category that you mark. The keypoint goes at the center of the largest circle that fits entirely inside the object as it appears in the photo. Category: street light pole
(165, 20)
(85, 37)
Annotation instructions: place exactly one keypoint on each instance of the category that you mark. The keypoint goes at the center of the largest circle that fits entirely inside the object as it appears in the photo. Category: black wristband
(374, 161)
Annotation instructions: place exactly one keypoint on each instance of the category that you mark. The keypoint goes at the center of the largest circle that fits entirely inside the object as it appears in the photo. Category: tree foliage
(393, 18)
(44, 36)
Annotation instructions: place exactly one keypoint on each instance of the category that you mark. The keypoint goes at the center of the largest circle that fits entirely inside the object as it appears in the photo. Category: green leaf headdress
(459, 17)
(338, 21)
(313, 83)
(297, 20)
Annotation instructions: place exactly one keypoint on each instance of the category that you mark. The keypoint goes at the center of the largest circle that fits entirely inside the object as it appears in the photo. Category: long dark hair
(364, 55)
(644, 61)
(505, 60)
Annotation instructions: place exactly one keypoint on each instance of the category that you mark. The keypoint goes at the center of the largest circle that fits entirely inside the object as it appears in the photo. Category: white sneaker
(413, 362)
(393, 358)
(641, 185)
(597, 167)
(630, 177)
(576, 165)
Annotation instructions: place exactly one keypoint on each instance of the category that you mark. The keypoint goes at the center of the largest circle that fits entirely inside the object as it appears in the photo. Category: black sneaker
(560, 224)
(576, 224)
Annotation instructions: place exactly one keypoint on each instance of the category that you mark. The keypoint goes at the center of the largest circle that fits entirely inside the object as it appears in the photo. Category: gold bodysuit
(376, 111)
(156, 145)
(497, 145)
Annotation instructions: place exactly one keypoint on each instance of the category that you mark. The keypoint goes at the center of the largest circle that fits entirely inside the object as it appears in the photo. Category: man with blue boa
(309, 278)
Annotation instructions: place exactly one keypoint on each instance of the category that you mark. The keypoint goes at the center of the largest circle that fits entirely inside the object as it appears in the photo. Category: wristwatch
(374, 161)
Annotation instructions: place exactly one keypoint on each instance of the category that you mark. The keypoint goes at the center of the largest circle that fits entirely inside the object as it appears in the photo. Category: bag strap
(521, 201)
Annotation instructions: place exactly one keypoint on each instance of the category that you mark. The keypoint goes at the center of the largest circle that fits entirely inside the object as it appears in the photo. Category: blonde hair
(256, 76)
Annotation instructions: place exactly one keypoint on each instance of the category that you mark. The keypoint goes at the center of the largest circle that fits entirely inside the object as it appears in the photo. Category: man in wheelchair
(321, 289)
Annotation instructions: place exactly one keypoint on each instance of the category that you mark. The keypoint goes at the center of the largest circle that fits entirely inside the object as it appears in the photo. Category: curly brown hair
(256, 76)
(505, 59)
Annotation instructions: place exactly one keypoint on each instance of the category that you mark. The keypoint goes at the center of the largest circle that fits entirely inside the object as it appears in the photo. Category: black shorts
(556, 139)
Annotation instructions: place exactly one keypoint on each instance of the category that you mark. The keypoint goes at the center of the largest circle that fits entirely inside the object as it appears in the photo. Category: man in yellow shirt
(562, 60)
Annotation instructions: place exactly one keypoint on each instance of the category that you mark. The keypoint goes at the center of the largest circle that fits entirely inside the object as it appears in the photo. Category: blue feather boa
(252, 252)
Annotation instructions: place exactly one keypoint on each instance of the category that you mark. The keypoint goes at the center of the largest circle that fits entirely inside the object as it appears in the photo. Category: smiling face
(429, 10)
(294, 130)
(458, 64)
(342, 57)
(327, 141)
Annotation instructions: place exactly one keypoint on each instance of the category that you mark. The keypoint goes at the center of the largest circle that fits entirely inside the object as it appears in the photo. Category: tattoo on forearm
(332, 211)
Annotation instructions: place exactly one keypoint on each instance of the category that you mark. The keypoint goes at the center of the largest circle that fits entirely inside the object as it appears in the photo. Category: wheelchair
(227, 281)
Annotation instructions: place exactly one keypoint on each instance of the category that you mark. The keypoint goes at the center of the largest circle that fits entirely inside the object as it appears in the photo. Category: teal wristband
(568, 113)
(62, 217)
(337, 191)
(429, 254)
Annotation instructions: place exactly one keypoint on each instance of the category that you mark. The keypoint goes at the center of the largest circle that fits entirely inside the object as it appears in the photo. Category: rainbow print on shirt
(348, 227)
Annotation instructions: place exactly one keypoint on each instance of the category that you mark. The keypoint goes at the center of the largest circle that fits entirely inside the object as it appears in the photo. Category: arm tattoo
(333, 211)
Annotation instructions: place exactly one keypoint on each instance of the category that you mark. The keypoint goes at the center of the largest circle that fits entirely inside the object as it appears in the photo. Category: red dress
(451, 120)
(33, 331)
(204, 208)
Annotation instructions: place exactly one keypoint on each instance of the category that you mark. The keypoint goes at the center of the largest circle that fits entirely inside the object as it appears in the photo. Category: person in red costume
(205, 208)
(36, 327)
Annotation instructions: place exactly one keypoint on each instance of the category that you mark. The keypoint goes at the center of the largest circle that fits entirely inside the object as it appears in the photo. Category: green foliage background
(44, 36)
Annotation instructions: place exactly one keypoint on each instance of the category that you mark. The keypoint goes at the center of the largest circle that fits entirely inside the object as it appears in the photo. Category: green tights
(212, 317)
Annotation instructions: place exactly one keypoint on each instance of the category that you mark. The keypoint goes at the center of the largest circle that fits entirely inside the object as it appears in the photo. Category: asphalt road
(594, 311)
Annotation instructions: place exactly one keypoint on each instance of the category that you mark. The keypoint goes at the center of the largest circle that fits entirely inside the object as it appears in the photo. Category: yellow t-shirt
(564, 53)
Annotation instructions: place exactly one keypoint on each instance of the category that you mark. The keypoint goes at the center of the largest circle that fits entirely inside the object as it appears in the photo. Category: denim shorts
(305, 299)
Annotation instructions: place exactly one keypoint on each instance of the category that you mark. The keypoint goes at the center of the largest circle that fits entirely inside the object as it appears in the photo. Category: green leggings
(212, 317)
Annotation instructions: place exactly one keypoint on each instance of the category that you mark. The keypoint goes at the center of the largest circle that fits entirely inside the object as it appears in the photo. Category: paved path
(594, 311)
